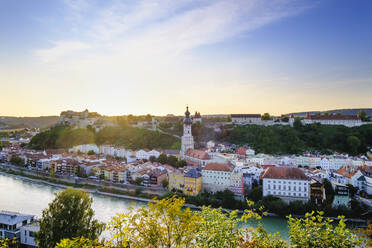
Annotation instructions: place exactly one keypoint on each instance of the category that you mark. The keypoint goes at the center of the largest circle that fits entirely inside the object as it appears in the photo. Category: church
(187, 141)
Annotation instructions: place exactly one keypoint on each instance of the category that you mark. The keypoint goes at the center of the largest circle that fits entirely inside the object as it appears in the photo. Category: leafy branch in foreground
(167, 223)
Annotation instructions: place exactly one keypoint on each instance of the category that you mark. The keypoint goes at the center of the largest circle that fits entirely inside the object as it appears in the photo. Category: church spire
(187, 119)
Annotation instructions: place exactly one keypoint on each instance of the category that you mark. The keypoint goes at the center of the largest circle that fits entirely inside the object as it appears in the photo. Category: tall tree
(362, 115)
(69, 215)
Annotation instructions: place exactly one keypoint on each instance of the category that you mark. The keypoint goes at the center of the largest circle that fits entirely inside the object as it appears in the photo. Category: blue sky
(236, 56)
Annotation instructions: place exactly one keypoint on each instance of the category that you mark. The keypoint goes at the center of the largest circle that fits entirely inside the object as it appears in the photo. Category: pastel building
(287, 183)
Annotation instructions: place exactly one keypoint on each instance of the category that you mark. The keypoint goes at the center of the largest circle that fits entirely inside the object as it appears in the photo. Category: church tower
(187, 140)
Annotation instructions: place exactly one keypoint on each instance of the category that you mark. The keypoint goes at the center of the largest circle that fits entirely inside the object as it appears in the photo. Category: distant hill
(7, 122)
(335, 111)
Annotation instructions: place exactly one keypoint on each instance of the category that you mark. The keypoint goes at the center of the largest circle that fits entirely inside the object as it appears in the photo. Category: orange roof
(347, 171)
(218, 167)
(197, 154)
(284, 173)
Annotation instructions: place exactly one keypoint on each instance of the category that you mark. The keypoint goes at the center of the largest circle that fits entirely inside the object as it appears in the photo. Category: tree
(91, 152)
(228, 118)
(285, 119)
(69, 215)
(354, 144)
(165, 183)
(162, 224)
(172, 160)
(362, 115)
(162, 158)
(255, 194)
(317, 231)
(352, 190)
(16, 160)
(266, 117)
(152, 159)
(297, 124)
(329, 191)
(181, 163)
(139, 180)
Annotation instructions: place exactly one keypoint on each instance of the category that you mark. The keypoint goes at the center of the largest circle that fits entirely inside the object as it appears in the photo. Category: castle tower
(187, 141)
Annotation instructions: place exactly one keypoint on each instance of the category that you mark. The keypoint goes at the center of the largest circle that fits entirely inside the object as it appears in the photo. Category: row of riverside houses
(121, 152)
(215, 171)
(62, 164)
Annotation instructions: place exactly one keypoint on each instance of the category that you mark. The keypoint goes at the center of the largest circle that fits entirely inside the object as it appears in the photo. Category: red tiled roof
(218, 167)
(197, 154)
(347, 171)
(241, 151)
(284, 173)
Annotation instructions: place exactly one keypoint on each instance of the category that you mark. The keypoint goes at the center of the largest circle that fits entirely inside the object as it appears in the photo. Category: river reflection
(31, 198)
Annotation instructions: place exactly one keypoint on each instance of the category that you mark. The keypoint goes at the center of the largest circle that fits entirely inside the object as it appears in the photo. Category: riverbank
(63, 185)
(109, 192)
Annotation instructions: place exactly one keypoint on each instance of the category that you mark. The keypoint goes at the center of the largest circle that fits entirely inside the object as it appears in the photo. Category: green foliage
(139, 181)
(127, 136)
(61, 137)
(363, 115)
(165, 183)
(316, 231)
(266, 117)
(353, 143)
(16, 160)
(167, 223)
(255, 194)
(162, 158)
(9, 243)
(285, 119)
(172, 160)
(79, 242)
(161, 224)
(297, 124)
(69, 215)
(134, 138)
(280, 139)
(181, 163)
(261, 238)
(91, 152)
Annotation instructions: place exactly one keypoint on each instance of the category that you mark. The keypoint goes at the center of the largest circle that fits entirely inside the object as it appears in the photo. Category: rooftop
(284, 173)
(12, 218)
(218, 167)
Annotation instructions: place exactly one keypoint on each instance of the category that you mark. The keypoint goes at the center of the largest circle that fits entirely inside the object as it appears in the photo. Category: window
(32, 234)
(294, 188)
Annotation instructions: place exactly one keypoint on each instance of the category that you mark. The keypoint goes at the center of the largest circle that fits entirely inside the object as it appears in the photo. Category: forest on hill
(324, 139)
(126, 136)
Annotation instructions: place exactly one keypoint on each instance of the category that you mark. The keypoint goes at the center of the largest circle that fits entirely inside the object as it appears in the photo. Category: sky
(157, 56)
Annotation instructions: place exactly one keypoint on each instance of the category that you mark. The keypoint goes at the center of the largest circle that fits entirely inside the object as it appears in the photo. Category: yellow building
(193, 182)
(176, 181)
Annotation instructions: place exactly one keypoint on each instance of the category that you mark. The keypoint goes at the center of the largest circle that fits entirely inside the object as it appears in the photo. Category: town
(214, 169)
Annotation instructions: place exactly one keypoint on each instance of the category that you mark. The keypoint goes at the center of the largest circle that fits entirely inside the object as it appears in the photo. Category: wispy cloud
(167, 28)
(60, 49)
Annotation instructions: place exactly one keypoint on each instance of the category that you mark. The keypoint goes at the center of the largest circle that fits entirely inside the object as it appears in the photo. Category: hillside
(287, 140)
(128, 137)
(354, 111)
(8, 122)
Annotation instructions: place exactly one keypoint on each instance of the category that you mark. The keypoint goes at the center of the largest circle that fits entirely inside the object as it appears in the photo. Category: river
(31, 198)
